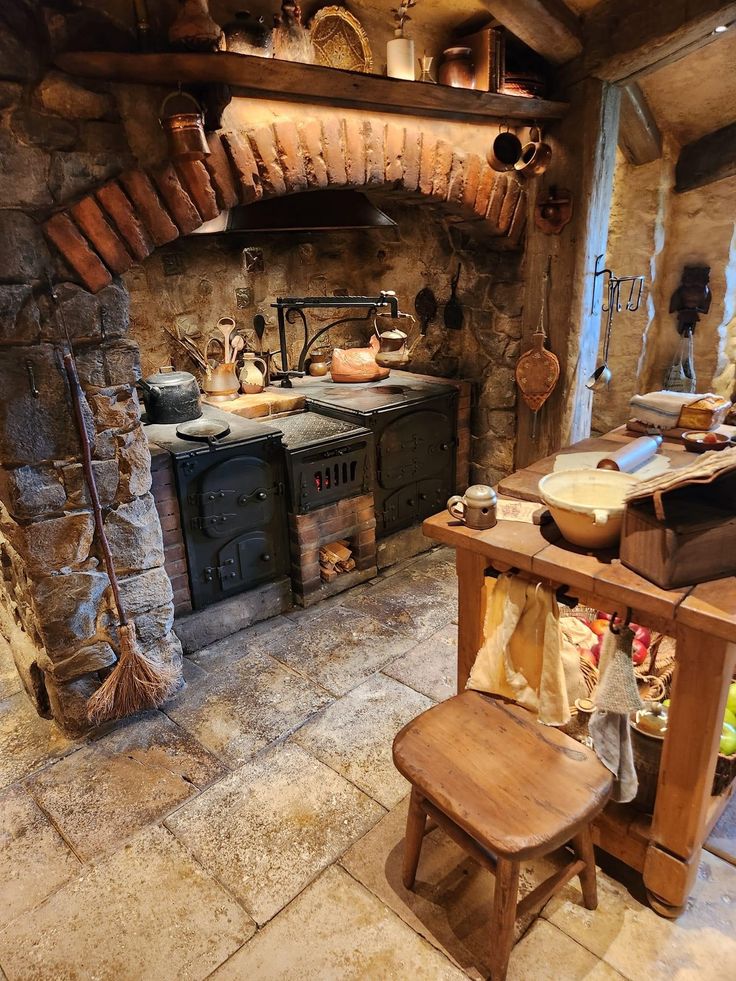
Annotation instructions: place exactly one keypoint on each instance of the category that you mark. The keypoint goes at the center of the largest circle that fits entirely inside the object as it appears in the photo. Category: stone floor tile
(249, 703)
(147, 913)
(216, 656)
(354, 735)
(336, 930)
(431, 666)
(546, 954)
(267, 829)
(34, 860)
(27, 742)
(118, 784)
(452, 900)
(438, 564)
(413, 603)
(338, 649)
(631, 938)
(9, 678)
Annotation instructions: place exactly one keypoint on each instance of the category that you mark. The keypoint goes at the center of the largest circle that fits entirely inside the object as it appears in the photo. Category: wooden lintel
(548, 27)
(711, 158)
(638, 135)
(626, 39)
(288, 81)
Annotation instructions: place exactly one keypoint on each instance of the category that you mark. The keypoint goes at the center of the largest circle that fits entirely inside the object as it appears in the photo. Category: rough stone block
(115, 408)
(114, 303)
(177, 200)
(193, 175)
(244, 166)
(395, 140)
(23, 250)
(29, 492)
(34, 430)
(499, 388)
(333, 150)
(39, 129)
(134, 533)
(115, 202)
(122, 363)
(471, 182)
(508, 206)
(69, 702)
(412, 157)
(146, 591)
(67, 607)
(57, 543)
(354, 151)
(76, 172)
(375, 169)
(154, 624)
(148, 207)
(486, 182)
(291, 155)
(93, 657)
(496, 203)
(442, 169)
(426, 164)
(76, 250)
(78, 311)
(19, 315)
(10, 94)
(401, 545)
(134, 459)
(24, 175)
(57, 93)
(108, 245)
(107, 477)
(220, 171)
(263, 144)
(310, 133)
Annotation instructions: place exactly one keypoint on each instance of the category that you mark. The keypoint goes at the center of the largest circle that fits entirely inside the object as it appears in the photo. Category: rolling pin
(633, 455)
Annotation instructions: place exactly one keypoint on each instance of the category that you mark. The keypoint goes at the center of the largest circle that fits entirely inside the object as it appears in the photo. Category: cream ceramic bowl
(587, 505)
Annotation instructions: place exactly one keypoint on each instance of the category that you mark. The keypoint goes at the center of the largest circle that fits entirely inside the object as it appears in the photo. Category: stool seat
(518, 788)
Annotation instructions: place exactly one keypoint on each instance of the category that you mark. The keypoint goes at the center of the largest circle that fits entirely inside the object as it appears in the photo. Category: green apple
(731, 703)
(730, 718)
(728, 740)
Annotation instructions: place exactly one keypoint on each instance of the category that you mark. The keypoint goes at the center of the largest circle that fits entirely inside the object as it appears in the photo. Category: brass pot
(184, 131)
(505, 152)
(457, 68)
(535, 156)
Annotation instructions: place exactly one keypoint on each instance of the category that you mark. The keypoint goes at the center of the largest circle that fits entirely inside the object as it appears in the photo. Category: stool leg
(503, 916)
(583, 845)
(415, 824)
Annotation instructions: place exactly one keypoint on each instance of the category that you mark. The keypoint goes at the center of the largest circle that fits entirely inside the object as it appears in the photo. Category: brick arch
(123, 221)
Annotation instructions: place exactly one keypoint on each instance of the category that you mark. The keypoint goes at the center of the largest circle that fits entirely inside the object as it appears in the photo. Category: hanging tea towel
(616, 697)
(522, 654)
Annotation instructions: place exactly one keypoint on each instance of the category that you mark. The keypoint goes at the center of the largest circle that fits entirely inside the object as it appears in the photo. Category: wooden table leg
(471, 569)
(704, 669)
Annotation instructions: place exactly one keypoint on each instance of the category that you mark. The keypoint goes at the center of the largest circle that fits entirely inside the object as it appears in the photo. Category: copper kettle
(394, 350)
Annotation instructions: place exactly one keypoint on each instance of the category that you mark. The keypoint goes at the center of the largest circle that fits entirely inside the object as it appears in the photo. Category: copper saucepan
(535, 156)
(504, 152)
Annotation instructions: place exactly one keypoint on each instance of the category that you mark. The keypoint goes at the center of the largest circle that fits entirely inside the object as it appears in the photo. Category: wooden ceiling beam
(548, 27)
(638, 135)
(625, 40)
(709, 159)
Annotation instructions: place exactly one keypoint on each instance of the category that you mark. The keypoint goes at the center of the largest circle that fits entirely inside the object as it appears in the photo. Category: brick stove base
(353, 519)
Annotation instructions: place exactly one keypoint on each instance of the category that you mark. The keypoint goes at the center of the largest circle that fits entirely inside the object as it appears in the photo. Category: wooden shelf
(291, 82)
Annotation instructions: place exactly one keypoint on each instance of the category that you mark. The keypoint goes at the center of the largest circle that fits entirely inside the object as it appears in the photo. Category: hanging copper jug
(184, 128)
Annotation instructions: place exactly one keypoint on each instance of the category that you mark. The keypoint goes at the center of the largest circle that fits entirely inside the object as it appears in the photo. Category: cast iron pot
(171, 397)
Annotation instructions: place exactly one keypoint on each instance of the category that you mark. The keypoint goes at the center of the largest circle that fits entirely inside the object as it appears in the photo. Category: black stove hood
(312, 211)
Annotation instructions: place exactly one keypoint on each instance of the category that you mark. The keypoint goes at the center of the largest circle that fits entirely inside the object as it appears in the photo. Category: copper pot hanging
(184, 130)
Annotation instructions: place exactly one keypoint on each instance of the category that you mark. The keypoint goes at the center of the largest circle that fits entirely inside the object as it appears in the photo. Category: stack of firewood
(334, 558)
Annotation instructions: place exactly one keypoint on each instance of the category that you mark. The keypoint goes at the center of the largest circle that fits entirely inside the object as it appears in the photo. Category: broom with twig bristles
(136, 682)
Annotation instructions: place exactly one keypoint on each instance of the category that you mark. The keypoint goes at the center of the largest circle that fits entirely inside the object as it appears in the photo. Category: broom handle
(89, 476)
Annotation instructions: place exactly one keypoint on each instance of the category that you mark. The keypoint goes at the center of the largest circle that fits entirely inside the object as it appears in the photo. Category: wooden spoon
(236, 347)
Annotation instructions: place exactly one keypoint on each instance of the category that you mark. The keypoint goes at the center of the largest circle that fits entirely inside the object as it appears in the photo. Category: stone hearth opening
(129, 273)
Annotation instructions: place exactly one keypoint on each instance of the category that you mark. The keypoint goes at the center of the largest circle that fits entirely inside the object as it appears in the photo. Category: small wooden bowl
(695, 441)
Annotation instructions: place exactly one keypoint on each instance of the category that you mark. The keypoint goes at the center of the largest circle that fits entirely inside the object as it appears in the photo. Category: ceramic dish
(587, 505)
(697, 441)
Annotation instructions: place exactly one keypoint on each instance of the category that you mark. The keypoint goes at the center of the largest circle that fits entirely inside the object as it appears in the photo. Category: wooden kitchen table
(666, 846)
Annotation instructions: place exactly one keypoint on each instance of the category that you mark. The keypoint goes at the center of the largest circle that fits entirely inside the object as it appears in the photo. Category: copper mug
(505, 152)
(535, 155)
(476, 508)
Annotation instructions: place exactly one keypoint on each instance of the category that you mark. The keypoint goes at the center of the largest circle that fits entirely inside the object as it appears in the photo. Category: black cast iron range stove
(414, 425)
(232, 499)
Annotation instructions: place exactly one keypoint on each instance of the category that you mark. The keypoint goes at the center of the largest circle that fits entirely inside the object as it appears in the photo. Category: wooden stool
(506, 789)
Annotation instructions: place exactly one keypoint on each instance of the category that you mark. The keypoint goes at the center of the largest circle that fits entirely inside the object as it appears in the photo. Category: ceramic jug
(476, 508)
(252, 378)
(221, 383)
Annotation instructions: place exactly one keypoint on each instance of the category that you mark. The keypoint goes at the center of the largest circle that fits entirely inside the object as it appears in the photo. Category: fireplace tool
(602, 374)
(136, 682)
(538, 370)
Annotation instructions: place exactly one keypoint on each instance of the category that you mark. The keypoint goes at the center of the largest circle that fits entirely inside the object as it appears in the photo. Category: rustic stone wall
(59, 137)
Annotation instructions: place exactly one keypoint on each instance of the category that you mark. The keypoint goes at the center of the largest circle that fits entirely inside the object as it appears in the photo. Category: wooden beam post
(549, 27)
(626, 39)
(711, 158)
(584, 155)
(639, 138)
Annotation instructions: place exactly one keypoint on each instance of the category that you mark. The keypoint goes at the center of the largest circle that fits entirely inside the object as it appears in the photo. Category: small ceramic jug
(252, 378)
(220, 383)
(476, 508)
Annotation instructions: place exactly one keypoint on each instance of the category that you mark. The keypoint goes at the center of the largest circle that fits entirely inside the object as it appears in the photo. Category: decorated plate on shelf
(340, 41)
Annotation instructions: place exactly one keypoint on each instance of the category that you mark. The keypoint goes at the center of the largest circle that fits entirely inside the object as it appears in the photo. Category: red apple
(644, 634)
(639, 652)
(595, 653)
(601, 615)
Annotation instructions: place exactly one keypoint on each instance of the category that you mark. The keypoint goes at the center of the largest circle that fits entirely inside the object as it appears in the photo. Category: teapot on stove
(394, 350)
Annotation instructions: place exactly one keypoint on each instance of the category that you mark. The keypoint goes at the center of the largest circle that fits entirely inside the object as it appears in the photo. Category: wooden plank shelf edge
(255, 77)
